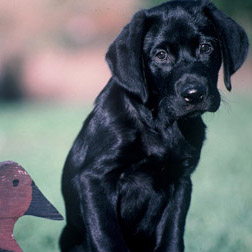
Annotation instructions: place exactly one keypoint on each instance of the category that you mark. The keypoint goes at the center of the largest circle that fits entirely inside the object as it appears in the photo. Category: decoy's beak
(41, 207)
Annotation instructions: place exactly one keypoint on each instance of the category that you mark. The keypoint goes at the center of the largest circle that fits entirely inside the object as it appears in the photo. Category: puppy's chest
(146, 186)
(151, 176)
(141, 202)
(153, 173)
(168, 157)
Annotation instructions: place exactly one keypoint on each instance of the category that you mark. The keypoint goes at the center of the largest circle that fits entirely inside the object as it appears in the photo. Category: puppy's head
(170, 56)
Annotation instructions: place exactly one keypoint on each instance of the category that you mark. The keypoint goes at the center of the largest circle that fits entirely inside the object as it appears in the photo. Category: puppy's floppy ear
(125, 57)
(233, 39)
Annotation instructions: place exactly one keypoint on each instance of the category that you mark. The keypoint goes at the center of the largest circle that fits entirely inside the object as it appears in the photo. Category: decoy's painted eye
(15, 182)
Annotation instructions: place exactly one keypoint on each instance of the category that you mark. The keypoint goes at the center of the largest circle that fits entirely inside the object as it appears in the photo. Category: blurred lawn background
(51, 69)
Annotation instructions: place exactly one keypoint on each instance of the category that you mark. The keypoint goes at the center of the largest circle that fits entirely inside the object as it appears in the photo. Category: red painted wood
(14, 201)
(19, 196)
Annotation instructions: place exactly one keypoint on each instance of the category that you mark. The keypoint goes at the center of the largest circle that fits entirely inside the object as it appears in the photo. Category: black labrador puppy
(126, 181)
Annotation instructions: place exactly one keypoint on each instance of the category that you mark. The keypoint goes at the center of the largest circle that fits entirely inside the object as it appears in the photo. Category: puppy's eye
(205, 49)
(161, 55)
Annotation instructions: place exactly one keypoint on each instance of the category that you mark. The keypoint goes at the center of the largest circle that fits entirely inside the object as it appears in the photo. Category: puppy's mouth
(191, 114)
(177, 111)
(197, 111)
(194, 114)
(192, 111)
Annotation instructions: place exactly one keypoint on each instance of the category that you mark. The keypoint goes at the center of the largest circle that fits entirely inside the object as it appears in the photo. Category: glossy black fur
(126, 181)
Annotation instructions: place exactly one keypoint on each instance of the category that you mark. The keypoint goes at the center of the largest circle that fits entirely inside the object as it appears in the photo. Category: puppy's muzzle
(192, 90)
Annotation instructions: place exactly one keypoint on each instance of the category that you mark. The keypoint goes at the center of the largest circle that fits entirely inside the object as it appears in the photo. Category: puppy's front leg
(98, 207)
(171, 227)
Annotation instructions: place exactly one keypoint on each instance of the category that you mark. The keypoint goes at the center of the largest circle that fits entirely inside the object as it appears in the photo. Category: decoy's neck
(7, 240)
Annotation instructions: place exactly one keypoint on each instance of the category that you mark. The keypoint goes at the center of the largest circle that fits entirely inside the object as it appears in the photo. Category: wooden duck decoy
(19, 196)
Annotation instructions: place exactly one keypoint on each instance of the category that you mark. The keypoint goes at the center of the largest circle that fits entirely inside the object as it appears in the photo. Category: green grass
(38, 136)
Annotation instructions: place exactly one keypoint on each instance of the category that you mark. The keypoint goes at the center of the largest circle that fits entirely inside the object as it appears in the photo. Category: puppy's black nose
(194, 95)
